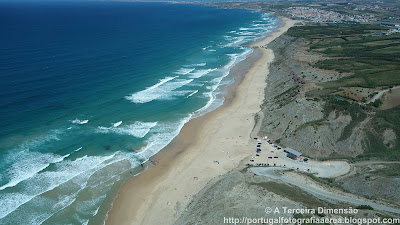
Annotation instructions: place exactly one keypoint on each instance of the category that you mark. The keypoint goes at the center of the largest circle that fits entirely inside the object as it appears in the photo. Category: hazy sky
(98, 0)
(46, 0)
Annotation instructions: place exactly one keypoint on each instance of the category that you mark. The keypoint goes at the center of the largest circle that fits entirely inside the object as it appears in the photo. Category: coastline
(206, 147)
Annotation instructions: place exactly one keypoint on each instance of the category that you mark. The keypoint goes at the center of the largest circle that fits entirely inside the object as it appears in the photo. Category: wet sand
(206, 147)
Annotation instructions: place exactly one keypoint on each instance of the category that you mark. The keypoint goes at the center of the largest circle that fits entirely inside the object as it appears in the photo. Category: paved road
(269, 172)
(363, 163)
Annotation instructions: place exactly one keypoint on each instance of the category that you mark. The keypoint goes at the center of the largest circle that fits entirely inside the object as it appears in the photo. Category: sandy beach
(207, 147)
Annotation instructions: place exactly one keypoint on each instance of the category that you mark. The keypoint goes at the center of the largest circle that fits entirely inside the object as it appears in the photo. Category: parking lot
(270, 154)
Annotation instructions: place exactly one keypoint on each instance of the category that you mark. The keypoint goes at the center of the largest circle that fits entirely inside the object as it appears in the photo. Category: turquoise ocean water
(89, 91)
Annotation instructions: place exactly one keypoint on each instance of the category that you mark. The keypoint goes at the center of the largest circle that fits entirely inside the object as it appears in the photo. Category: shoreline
(206, 147)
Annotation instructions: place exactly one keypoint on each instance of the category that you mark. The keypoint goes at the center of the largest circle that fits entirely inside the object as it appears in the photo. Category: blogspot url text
(310, 220)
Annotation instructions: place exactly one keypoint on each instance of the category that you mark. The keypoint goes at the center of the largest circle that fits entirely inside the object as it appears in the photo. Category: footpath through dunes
(207, 147)
(320, 192)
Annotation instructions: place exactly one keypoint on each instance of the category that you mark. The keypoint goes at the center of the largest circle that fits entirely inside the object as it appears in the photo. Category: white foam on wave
(26, 168)
(85, 181)
(14, 200)
(207, 47)
(235, 58)
(261, 29)
(162, 81)
(200, 64)
(79, 170)
(237, 41)
(229, 38)
(266, 18)
(25, 163)
(59, 159)
(62, 202)
(78, 121)
(197, 84)
(11, 202)
(182, 93)
(164, 90)
(87, 206)
(136, 97)
(117, 124)
(194, 92)
(212, 50)
(199, 73)
(96, 211)
(211, 95)
(184, 71)
(161, 136)
(137, 129)
(247, 33)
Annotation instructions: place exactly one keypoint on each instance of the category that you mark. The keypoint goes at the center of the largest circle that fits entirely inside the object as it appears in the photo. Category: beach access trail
(206, 147)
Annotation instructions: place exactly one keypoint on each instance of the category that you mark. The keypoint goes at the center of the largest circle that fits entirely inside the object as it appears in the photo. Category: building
(389, 24)
(293, 154)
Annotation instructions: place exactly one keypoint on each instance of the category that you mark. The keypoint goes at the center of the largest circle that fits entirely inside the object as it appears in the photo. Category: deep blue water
(90, 90)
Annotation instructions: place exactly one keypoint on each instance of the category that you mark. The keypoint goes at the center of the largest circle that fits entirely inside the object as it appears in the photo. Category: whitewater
(94, 100)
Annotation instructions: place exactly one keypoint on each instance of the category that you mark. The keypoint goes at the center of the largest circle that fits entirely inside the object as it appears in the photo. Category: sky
(44, 0)
(99, 0)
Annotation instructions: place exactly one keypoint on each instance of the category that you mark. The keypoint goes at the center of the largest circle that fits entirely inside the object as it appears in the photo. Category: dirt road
(320, 193)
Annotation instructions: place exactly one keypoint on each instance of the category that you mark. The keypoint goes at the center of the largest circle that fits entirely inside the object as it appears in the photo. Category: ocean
(90, 90)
